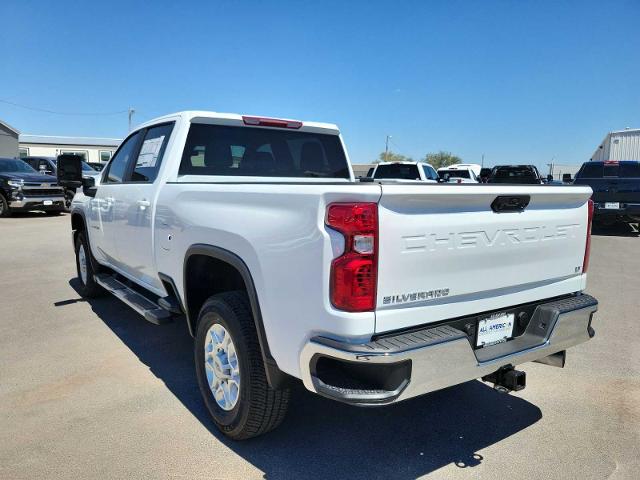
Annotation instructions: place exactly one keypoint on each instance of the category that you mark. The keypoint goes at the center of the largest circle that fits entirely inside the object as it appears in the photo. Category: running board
(141, 304)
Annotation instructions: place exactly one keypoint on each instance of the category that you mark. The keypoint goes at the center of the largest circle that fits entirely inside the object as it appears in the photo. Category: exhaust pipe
(507, 379)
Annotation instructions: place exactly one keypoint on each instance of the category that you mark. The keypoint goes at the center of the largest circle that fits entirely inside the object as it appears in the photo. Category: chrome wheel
(222, 367)
(82, 264)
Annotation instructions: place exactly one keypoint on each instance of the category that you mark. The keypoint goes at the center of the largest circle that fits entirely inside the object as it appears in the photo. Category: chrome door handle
(144, 203)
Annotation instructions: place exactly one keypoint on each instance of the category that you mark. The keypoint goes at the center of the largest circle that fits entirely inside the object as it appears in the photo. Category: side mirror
(566, 177)
(549, 178)
(69, 171)
(89, 186)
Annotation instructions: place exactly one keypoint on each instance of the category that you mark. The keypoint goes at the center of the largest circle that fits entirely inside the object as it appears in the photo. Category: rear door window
(262, 152)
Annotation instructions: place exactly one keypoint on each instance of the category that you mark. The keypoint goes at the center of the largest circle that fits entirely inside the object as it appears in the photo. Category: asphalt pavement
(91, 390)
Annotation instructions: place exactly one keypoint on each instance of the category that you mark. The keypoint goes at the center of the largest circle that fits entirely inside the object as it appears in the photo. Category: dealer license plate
(497, 328)
(47, 202)
(612, 205)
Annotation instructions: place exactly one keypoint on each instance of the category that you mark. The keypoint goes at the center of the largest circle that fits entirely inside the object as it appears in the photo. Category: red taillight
(587, 248)
(271, 122)
(354, 274)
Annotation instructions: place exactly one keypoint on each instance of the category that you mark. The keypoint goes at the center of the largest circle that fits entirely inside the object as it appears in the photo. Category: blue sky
(523, 82)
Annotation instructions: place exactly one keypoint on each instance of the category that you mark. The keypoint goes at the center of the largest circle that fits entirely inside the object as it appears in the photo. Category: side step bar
(151, 311)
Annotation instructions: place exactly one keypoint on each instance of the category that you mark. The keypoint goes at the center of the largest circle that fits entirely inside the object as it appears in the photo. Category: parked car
(47, 165)
(405, 171)
(616, 190)
(515, 174)
(458, 173)
(24, 189)
(285, 267)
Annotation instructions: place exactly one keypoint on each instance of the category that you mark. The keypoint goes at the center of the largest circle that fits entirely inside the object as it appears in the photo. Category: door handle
(144, 204)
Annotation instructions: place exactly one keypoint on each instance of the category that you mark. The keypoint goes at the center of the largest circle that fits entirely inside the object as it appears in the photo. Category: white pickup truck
(283, 267)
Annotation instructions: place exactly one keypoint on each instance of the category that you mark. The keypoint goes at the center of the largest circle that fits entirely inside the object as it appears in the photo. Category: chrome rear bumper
(443, 356)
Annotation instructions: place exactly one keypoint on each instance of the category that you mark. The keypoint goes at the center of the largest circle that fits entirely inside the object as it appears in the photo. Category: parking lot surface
(91, 390)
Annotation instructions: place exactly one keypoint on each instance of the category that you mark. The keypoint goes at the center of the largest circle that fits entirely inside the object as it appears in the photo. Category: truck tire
(4, 207)
(230, 370)
(88, 286)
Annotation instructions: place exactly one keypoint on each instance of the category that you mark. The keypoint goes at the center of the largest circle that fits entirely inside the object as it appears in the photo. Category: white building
(619, 145)
(93, 150)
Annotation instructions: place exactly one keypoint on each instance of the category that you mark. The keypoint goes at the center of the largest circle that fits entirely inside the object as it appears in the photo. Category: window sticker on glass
(149, 152)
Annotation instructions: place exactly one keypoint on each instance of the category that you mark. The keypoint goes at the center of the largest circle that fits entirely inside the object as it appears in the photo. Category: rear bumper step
(150, 310)
(402, 366)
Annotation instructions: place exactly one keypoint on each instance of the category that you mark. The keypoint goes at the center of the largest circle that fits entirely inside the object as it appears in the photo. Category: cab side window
(117, 169)
(151, 153)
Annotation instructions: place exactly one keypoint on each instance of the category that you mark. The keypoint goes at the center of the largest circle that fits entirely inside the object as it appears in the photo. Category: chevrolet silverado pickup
(616, 190)
(23, 189)
(254, 232)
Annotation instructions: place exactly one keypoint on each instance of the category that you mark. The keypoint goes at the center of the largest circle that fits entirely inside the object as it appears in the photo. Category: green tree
(441, 159)
(392, 157)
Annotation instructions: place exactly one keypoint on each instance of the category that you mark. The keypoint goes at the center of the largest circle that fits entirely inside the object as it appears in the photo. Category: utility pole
(386, 147)
(482, 160)
(131, 112)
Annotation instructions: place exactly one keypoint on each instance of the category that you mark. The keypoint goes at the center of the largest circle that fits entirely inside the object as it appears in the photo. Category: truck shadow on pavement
(616, 230)
(321, 438)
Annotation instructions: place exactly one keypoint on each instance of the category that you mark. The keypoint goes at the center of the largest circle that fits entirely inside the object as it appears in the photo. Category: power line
(35, 109)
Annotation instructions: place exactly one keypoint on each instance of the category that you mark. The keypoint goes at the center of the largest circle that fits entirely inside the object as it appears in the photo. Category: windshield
(8, 165)
(262, 152)
(86, 167)
(454, 173)
(398, 171)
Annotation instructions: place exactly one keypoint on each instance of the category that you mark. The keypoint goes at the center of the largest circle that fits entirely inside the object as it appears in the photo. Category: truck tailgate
(444, 252)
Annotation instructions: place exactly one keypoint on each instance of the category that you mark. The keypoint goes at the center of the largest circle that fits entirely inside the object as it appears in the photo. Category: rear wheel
(4, 207)
(88, 286)
(231, 372)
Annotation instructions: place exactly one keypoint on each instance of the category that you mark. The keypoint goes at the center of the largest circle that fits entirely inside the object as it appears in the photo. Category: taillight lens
(354, 274)
(587, 248)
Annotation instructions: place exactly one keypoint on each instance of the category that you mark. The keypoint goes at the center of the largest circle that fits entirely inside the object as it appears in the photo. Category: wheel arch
(235, 274)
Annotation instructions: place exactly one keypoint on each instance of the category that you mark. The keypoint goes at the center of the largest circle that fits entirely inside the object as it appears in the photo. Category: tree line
(436, 160)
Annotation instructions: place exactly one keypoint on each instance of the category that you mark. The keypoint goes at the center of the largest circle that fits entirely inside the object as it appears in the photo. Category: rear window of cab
(625, 169)
(262, 152)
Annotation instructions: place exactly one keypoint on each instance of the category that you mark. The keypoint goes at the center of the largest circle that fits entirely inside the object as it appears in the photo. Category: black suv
(22, 188)
(616, 190)
(515, 174)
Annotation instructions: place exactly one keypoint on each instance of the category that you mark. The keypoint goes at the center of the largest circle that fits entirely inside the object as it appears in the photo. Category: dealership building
(92, 149)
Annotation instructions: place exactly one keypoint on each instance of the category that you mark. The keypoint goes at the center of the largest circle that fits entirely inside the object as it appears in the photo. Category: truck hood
(29, 177)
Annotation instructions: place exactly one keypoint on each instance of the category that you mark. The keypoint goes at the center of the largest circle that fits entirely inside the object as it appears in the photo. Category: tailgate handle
(510, 203)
